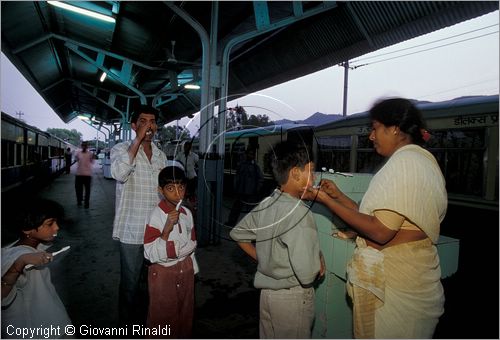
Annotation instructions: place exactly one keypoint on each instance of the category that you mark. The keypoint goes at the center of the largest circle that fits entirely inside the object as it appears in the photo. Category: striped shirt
(136, 190)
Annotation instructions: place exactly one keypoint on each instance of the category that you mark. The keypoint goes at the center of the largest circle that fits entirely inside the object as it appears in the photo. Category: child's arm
(249, 248)
(10, 277)
(162, 246)
(244, 234)
(157, 247)
(172, 219)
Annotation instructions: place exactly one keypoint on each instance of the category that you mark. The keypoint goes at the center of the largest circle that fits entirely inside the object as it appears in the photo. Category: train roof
(461, 105)
(13, 120)
(457, 106)
(8, 118)
(266, 130)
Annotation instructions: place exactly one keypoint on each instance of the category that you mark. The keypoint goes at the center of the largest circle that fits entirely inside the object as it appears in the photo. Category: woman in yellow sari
(394, 274)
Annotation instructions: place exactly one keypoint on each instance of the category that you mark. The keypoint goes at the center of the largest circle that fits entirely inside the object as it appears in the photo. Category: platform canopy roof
(149, 50)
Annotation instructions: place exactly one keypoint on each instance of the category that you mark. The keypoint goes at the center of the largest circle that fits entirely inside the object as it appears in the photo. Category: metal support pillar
(208, 231)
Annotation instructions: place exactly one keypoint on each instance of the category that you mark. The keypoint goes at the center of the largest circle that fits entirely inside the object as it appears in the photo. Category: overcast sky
(466, 64)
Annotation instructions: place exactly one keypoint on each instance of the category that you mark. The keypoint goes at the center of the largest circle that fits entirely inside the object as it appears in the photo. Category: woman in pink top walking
(85, 161)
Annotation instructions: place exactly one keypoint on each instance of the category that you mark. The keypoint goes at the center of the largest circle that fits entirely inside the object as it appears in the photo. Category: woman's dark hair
(37, 210)
(285, 156)
(143, 109)
(171, 174)
(402, 113)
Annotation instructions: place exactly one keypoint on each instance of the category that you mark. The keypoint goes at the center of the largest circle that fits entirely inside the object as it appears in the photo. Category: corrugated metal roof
(60, 52)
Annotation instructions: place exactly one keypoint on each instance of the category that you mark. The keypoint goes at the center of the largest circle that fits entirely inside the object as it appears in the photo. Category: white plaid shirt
(136, 190)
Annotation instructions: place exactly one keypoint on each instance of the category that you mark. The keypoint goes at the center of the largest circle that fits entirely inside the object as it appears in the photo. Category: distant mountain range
(315, 119)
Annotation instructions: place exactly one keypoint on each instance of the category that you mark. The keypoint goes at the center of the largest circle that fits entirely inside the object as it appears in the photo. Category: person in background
(247, 183)
(135, 165)
(286, 247)
(394, 274)
(29, 299)
(169, 244)
(68, 155)
(85, 161)
(189, 160)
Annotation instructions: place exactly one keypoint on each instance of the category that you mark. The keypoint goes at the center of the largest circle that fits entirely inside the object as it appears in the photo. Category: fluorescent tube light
(82, 11)
(82, 117)
(192, 87)
(103, 76)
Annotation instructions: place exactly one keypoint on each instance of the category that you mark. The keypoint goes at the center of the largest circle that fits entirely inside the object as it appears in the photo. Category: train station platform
(87, 275)
(226, 303)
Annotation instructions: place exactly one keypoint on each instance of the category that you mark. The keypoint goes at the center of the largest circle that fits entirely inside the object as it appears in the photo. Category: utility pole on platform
(346, 74)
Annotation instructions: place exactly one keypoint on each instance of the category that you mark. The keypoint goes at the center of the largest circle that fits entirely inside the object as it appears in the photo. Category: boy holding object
(169, 244)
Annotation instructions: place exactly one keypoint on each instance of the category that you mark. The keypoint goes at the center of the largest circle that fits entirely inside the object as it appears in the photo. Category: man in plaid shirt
(135, 165)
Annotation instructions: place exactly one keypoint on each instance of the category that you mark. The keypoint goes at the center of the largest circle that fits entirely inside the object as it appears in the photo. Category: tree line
(236, 119)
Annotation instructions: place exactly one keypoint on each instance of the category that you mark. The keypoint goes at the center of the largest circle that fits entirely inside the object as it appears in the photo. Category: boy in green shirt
(286, 247)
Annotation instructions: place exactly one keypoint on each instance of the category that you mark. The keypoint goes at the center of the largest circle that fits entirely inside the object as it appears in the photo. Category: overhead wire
(420, 45)
(420, 51)
(488, 80)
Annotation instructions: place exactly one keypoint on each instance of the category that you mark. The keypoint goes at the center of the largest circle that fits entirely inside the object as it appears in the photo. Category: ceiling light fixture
(82, 117)
(82, 11)
(103, 76)
(192, 87)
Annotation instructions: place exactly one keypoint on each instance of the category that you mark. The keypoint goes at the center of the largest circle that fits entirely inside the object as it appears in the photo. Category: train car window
(7, 153)
(334, 152)
(19, 154)
(43, 140)
(12, 132)
(30, 154)
(466, 138)
(301, 136)
(236, 155)
(19, 135)
(460, 154)
(44, 152)
(31, 137)
(368, 161)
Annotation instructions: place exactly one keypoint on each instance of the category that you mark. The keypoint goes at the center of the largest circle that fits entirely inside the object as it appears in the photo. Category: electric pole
(346, 73)
(19, 114)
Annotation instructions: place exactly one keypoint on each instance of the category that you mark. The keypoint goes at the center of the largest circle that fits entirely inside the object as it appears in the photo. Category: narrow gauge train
(261, 139)
(464, 140)
(29, 155)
